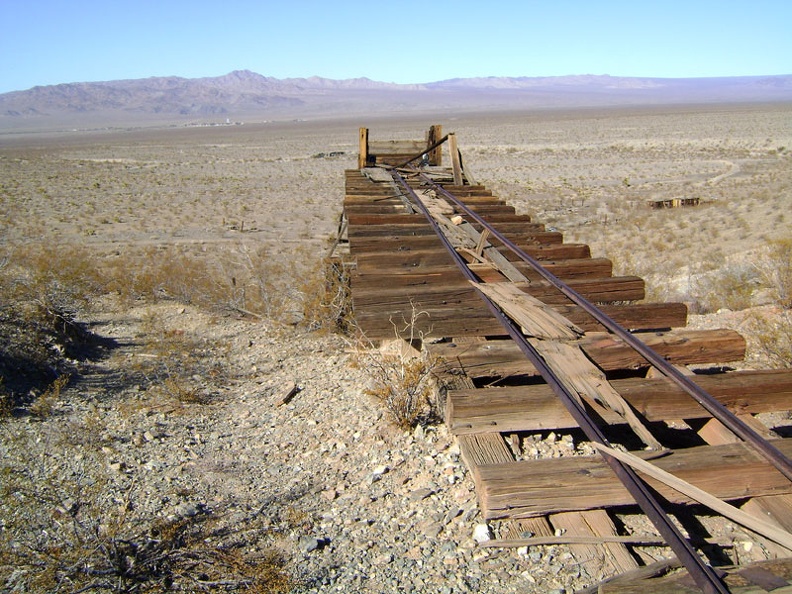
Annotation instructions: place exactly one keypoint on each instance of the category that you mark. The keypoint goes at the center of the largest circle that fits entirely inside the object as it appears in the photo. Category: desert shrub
(43, 292)
(735, 285)
(404, 384)
(775, 269)
(771, 335)
(44, 404)
(177, 367)
(325, 297)
(301, 289)
(731, 287)
(402, 377)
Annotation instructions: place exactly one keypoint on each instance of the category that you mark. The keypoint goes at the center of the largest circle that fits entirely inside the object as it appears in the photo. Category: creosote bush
(304, 289)
(42, 294)
(403, 378)
(325, 297)
(732, 287)
(403, 383)
(46, 290)
(44, 404)
(737, 285)
(775, 269)
(772, 335)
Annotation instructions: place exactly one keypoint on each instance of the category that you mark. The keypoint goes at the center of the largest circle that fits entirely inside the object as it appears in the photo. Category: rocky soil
(319, 474)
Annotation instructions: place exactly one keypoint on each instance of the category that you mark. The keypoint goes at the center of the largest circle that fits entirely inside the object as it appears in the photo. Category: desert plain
(195, 252)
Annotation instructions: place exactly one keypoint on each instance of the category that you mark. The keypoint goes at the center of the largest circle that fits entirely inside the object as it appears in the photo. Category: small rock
(451, 515)
(188, 510)
(308, 544)
(481, 533)
(433, 530)
(117, 466)
(420, 494)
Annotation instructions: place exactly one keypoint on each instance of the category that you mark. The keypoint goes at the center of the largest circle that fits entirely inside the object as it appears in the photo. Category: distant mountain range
(246, 94)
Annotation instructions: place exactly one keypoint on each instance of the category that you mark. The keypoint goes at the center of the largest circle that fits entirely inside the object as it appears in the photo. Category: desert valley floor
(200, 246)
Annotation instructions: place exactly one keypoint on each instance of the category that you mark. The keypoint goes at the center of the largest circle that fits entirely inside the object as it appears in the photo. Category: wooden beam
(436, 154)
(456, 162)
(371, 294)
(425, 260)
(759, 525)
(538, 487)
(426, 245)
(396, 147)
(480, 322)
(502, 358)
(363, 151)
(536, 408)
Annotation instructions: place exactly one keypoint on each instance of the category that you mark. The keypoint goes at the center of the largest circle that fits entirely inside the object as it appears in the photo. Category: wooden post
(456, 163)
(363, 153)
(436, 154)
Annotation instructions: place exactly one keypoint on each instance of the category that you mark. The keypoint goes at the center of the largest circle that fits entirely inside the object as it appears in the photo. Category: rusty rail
(702, 573)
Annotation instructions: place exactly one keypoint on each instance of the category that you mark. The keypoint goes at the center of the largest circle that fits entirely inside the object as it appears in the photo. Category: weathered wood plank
(421, 261)
(739, 580)
(583, 379)
(423, 228)
(536, 408)
(611, 557)
(484, 449)
(502, 358)
(558, 251)
(361, 221)
(640, 316)
(415, 260)
(388, 147)
(369, 297)
(491, 212)
(537, 487)
(775, 508)
(534, 317)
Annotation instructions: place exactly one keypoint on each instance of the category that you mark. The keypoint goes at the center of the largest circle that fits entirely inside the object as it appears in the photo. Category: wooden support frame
(393, 152)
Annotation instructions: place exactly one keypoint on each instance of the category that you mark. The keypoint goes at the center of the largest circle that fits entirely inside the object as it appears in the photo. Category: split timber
(405, 283)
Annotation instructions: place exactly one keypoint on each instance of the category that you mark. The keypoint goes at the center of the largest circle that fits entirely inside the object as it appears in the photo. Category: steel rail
(704, 575)
(710, 404)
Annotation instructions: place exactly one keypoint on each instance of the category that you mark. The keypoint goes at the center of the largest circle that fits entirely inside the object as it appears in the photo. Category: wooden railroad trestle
(401, 266)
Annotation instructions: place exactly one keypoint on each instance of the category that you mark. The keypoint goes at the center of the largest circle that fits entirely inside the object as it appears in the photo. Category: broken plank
(537, 487)
(502, 358)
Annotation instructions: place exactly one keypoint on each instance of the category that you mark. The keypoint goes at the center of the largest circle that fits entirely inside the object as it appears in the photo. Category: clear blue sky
(46, 42)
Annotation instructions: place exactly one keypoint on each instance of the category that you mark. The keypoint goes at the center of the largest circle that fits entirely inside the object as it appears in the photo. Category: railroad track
(537, 338)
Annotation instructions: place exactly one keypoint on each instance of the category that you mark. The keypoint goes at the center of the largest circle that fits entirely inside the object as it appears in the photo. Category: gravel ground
(351, 502)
